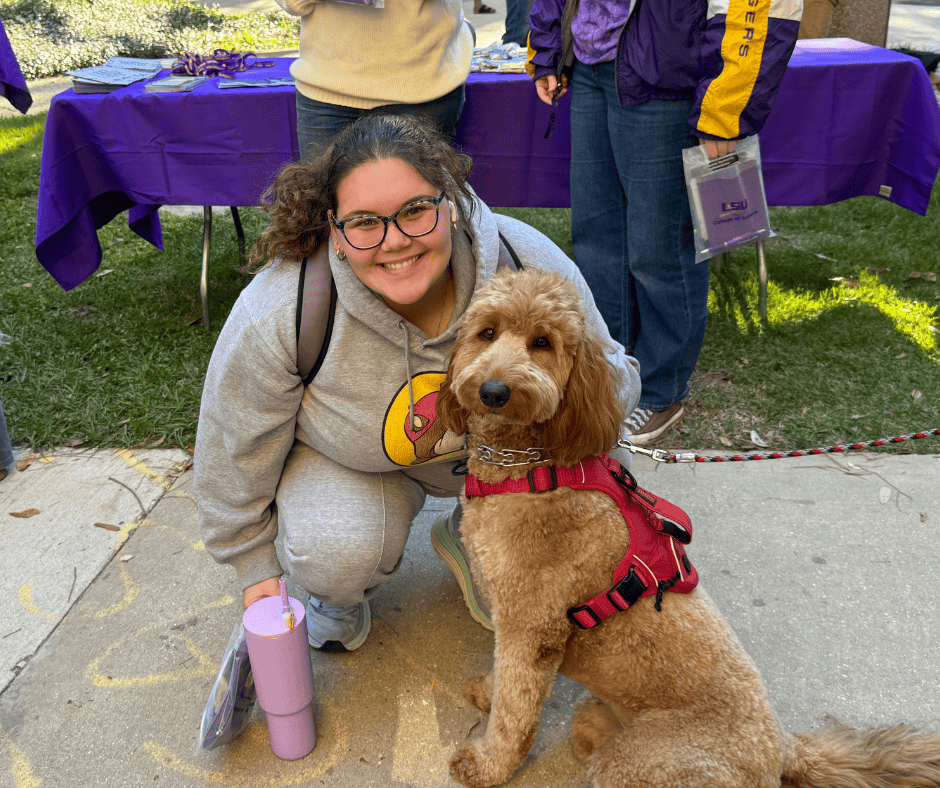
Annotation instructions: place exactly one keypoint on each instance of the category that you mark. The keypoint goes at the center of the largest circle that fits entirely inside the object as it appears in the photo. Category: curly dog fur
(673, 700)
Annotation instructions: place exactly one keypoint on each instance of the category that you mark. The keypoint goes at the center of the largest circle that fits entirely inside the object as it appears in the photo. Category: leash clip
(658, 455)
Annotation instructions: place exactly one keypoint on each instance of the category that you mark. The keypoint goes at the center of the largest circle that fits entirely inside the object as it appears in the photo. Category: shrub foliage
(51, 37)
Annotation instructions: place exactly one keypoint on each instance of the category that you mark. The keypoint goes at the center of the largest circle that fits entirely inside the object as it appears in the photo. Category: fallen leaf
(902, 355)
(745, 361)
(23, 464)
(724, 441)
(28, 284)
(25, 513)
(849, 282)
(923, 517)
(758, 440)
(158, 441)
(930, 276)
(107, 526)
(823, 257)
(857, 416)
(917, 394)
(884, 494)
(105, 272)
(126, 558)
(872, 270)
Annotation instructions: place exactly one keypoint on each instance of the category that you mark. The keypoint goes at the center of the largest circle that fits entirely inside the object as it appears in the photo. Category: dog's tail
(837, 756)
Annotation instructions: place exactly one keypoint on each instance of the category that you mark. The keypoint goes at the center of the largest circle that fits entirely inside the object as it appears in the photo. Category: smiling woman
(348, 458)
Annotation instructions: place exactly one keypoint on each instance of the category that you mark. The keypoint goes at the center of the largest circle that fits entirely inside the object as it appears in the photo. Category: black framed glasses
(414, 220)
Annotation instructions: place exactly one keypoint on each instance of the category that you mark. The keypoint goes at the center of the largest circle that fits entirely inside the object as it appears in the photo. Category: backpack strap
(316, 308)
(507, 255)
(316, 311)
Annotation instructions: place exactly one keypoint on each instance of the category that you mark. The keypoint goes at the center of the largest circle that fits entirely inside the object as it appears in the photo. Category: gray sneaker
(446, 542)
(347, 626)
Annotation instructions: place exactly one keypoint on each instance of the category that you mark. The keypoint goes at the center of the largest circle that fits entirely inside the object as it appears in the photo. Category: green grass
(849, 350)
(54, 36)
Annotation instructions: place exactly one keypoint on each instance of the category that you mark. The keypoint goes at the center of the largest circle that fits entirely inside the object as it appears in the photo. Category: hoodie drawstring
(411, 394)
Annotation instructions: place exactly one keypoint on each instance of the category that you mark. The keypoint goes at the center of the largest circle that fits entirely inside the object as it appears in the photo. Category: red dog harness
(655, 561)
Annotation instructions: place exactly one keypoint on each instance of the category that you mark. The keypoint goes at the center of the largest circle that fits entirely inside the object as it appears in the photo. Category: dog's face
(516, 348)
(524, 356)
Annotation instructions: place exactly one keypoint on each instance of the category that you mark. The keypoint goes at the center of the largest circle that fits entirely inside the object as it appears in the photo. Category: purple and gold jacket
(728, 56)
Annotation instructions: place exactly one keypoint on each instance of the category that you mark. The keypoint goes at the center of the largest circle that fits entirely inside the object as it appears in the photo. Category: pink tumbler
(280, 662)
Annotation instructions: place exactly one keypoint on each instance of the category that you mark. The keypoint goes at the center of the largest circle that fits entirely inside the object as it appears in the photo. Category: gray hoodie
(370, 406)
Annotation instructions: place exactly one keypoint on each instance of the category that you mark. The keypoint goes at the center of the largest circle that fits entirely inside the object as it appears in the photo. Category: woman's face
(401, 270)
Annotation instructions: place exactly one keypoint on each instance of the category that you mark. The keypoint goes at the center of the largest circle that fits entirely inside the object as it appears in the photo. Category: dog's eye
(542, 342)
(488, 334)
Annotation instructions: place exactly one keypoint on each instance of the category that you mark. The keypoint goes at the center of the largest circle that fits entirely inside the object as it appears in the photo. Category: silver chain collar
(508, 458)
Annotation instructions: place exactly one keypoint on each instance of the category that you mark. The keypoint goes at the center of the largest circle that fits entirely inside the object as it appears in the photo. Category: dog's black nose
(494, 394)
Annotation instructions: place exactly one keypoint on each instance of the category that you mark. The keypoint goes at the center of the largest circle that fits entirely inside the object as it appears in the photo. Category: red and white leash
(662, 455)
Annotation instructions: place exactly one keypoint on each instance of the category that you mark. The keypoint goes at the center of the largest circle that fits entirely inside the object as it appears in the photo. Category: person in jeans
(340, 465)
(647, 79)
(405, 57)
(517, 22)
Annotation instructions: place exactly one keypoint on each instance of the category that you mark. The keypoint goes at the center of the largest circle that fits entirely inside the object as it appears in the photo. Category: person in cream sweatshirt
(405, 56)
(341, 466)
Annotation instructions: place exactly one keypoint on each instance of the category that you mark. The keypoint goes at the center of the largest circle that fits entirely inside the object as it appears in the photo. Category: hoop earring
(340, 255)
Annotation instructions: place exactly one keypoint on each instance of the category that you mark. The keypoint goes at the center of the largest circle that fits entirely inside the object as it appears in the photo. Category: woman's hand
(715, 148)
(252, 594)
(548, 89)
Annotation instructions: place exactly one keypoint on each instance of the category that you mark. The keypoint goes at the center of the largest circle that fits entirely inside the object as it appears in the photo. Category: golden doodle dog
(673, 700)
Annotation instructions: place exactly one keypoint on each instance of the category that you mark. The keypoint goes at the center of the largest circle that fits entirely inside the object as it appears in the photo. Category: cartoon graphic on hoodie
(412, 434)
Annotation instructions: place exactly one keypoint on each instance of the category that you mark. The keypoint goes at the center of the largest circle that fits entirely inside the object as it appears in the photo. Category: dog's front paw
(472, 767)
(476, 689)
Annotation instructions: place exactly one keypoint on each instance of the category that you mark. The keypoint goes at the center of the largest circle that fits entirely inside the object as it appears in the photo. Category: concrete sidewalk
(111, 638)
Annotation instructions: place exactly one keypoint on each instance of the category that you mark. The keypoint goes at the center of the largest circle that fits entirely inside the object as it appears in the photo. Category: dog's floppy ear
(449, 410)
(588, 419)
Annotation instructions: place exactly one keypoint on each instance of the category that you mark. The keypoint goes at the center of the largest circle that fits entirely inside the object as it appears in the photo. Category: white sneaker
(348, 626)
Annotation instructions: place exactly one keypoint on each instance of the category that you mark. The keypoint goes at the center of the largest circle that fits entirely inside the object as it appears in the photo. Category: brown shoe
(644, 426)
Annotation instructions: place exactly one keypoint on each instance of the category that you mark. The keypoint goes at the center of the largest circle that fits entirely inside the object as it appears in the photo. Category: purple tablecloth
(849, 120)
(12, 84)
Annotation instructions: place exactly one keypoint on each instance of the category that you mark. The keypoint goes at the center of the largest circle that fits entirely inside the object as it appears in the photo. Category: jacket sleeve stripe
(741, 49)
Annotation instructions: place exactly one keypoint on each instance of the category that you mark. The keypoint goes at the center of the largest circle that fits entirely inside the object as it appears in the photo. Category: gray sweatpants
(345, 530)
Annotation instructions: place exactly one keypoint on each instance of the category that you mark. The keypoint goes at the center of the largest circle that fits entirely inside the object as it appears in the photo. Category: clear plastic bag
(727, 197)
(232, 698)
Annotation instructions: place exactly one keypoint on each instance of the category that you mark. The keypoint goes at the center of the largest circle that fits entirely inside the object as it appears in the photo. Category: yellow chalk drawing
(185, 496)
(205, 666)
(245, 758)
(130, 594)
(125, 533)
(128, 456)
(193, 543)
(26, 600)
(420, 758)
(23, 776)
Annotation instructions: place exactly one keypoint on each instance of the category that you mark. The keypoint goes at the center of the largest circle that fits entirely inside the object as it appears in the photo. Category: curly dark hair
(299, 198)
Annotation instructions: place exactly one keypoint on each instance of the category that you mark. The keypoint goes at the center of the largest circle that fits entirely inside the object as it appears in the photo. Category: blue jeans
(318, 121)
(517, 22)
(632, 229)
(6, 450)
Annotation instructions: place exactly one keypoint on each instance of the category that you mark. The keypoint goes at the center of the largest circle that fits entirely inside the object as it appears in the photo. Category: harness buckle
(553, 475)
(574, 611)
(628, 591)
(624, 478)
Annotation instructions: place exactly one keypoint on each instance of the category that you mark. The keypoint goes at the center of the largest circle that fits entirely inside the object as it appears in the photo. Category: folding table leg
(762, 280)
(239, 233)
(204, 282)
